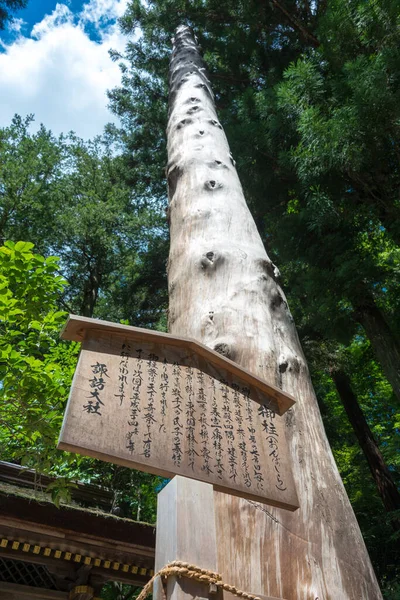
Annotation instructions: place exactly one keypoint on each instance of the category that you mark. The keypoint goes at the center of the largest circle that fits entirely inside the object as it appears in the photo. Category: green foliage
(30, 165)
(35, 368)
(114, 590)
(134, 492)
(75, 199)
(103, 232)
(61, 490)
(36, 371)
(341, 107)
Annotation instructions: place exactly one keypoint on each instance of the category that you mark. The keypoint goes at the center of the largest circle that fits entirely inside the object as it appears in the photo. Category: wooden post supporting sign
(186, 532)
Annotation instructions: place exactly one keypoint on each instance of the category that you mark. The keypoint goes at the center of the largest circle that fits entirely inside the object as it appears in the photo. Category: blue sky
(35, 11)
(54, 63)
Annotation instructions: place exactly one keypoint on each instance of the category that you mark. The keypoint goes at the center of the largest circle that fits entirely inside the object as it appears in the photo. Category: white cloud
(59, 73)
(60, 16)
(15, 25)
(99, 11)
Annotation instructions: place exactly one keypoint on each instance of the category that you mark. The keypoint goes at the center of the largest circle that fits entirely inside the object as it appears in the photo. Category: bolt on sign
(171, 406)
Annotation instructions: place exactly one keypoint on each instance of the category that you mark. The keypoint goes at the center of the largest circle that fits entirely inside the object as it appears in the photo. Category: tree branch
(296, 24)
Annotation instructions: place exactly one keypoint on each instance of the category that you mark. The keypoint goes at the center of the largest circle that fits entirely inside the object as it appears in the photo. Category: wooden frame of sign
(171, 406)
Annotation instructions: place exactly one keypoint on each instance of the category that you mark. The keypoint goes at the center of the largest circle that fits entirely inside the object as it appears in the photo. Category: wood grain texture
(78, 328)
(224, 292)
(186, 532)
(166, 410)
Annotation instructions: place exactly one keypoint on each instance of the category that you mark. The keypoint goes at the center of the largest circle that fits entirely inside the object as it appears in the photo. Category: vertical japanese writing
(150, 408)
(229, 431)
(96, 383)
(177, 409)
(123, 372)
(134, 409)
(204, 435)
(255, 454)
(216, 427)
(241, 434)
(164, 386)
(269, 429)
(190, 419)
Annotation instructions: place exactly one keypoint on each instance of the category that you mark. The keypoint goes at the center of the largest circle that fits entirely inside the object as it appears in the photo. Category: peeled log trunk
(386, 487)
(224, 293)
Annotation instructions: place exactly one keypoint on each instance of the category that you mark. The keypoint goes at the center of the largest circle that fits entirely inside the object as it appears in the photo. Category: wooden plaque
(171, 406)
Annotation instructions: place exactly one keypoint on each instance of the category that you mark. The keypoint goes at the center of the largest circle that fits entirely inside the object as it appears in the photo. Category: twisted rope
(183, 569)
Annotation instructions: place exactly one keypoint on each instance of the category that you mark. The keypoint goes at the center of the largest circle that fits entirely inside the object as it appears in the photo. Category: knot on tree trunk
(210, 260)
(212, 185)
(224, 348)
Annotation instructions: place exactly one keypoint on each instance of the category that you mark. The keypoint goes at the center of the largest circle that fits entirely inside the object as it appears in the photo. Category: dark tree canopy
(7, 7)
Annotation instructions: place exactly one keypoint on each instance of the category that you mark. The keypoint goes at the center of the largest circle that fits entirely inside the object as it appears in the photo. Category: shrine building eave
(65, 539)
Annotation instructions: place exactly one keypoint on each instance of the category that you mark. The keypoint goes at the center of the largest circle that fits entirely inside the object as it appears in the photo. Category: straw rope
(183, 569)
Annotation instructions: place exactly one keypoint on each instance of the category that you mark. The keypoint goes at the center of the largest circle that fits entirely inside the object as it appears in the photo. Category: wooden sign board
(171, 406)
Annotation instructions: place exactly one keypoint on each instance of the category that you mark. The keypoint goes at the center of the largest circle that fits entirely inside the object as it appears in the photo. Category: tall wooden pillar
(224, 291)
